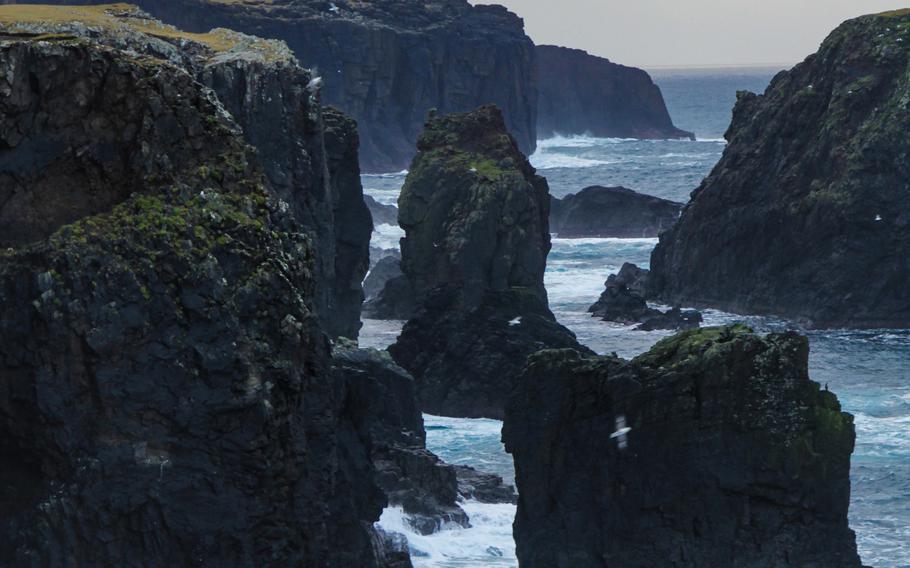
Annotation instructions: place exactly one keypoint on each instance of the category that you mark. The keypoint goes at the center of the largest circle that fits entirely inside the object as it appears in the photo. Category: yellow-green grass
(112, 16)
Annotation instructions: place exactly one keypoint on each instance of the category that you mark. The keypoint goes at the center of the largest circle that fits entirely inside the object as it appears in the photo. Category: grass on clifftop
(120, 16)
(895, 13)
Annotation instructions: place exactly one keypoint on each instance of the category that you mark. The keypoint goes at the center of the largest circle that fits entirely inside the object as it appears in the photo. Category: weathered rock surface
(166, 391)
(713, 449)
(476, 241)
(623, 301)
(382, 214)
(807, 214)
(584, 94)
(386, 63)
(611, 212)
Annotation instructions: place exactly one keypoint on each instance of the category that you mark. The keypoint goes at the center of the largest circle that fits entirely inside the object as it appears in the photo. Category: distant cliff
(580, 93)
(807, 214)
(386, 63)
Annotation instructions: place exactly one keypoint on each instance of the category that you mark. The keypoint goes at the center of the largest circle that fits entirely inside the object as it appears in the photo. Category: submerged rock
(611, 212)
(382, 214)
(169, 391)
(807, 213)
(477, 237)
(584, 94)
(623, 301)
(388, 268)
(713, 449)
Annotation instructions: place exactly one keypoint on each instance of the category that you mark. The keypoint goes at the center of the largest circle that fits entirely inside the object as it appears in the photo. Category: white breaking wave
(578, 141)
(545, 160)
(488, 542)
(604, 240)
(386, 236)
(386, 175)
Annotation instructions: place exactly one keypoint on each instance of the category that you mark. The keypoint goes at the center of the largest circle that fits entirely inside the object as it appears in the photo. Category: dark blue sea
(869, 370)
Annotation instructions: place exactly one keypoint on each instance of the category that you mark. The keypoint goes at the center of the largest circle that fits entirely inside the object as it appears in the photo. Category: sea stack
(475, 216)
(584, 94)
(712, 449)
(168, 396)
(807, 215)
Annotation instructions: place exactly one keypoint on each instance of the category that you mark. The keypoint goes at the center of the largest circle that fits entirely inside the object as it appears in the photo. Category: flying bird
(621, 433)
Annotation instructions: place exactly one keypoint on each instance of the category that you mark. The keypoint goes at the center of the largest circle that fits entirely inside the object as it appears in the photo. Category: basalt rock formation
(166, 390)
(713, 449)
(583, 94)
(386, 63)
(611, 212)
(623, 301)
(807, 214)
(476, 241)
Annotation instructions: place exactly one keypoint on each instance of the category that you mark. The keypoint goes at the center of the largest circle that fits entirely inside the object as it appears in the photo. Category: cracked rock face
(713, 449)
(806, 214)
(166, 392)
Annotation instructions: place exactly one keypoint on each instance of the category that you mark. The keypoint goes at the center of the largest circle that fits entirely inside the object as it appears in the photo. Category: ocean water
(869, 370)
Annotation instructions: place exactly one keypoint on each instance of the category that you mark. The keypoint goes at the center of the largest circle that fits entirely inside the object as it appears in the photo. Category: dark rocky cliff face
(583, 94)
(387, 63)
(713, 449)
(806, 215)
(166, 391)
(476, 242)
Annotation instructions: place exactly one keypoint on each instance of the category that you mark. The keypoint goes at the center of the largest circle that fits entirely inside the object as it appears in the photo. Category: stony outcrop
(166, 391)
(584, 94)
(623, 301)
(474, 252)
(611, 212)
(382, 214)
(386, 63)
(806, 214)
(713, 449)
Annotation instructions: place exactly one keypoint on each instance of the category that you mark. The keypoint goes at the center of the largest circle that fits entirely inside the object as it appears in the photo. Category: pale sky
(653, 33)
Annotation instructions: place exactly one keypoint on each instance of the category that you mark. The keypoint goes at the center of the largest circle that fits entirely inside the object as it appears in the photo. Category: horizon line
(777, 65)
